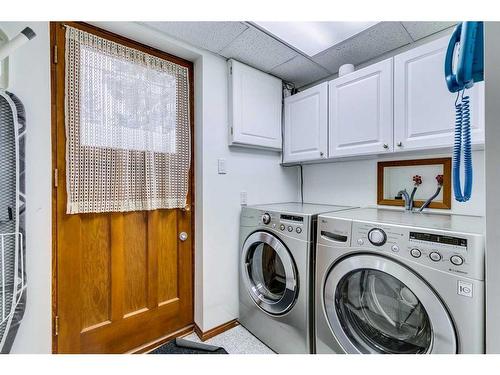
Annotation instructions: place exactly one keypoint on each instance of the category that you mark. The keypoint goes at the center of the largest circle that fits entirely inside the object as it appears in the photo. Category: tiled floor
(237, 340)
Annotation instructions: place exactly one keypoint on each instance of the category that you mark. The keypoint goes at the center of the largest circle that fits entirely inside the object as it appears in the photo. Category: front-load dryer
(276, 273)
(399, 282)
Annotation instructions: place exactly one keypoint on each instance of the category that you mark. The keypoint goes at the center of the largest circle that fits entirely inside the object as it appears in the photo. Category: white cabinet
(360, 111)
(424, 109)
(255, 104)
(306, 124)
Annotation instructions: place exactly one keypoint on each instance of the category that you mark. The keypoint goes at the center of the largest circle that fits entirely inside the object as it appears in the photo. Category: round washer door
(376, 305)
(269, 273)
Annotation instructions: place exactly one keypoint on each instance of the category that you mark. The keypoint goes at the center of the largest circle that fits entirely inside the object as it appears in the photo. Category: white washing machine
(399, 282)
(276, 273)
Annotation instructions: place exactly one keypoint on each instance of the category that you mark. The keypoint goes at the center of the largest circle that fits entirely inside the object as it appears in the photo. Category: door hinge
(55, 54)
(56, 325)
(56, 177)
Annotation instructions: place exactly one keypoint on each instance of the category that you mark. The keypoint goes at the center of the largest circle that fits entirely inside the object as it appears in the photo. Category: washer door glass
(374, 304)
(380, 313)
(270, 273)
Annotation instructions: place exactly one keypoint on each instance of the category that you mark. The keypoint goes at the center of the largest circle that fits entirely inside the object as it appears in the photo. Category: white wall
(30, 81)
(492, 113)
(256, 172)
(354, 183)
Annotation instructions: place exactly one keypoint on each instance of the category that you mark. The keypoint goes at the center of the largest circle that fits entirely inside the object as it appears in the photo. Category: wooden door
(121, 280)
(424, 109)
(360, 120)
(306, 125)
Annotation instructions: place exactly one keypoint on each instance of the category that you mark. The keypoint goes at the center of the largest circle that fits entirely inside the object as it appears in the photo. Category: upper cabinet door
(361, 112)
(424, 109)
(255, 104)
(306, 124)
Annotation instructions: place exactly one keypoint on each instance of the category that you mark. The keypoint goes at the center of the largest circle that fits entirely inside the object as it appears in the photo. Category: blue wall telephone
(469, 62)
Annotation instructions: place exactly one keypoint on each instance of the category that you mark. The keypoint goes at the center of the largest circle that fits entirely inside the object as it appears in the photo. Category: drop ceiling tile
(213, 36)
(257, 49)
(376, 41)
(419, 30)
(300, 71)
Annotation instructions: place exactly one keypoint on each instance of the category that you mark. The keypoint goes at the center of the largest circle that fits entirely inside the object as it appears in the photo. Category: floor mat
(187, 347)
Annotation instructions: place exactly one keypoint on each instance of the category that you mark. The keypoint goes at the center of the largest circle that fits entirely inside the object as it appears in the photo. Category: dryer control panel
(458, 253)
(286, 224)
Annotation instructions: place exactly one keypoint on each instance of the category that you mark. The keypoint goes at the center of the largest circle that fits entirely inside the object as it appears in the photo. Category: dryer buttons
(290, 228)
(298, 230)
(457, 260)
(435, 256)
(282, 227)
(415, 253)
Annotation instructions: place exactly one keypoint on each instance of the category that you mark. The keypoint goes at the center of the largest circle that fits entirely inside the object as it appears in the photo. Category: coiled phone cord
(462, 142)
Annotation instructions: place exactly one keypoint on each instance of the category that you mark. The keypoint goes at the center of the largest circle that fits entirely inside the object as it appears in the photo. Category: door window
(381, 314)
(271, 277)
(267, 272)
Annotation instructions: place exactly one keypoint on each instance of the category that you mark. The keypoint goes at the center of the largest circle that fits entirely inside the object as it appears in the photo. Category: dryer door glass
(270, 273)
(381, 314)
(267, 272)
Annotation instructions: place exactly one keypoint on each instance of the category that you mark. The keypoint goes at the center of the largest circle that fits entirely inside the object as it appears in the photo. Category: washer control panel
(446, 251)
(291, 225)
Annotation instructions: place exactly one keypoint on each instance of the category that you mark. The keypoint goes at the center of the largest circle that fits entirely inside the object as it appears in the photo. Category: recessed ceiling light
(314, 37)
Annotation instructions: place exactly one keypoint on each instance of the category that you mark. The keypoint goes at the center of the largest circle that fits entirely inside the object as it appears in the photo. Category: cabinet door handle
(321, 154)
(386, 146)
(399, 144)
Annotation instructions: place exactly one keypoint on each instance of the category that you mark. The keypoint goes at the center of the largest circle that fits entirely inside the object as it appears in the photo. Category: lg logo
(464, 289)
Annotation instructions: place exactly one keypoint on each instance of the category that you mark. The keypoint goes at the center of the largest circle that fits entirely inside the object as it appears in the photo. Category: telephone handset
(469, 62)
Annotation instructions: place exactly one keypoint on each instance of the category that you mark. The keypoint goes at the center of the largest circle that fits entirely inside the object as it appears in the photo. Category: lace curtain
(127, 127)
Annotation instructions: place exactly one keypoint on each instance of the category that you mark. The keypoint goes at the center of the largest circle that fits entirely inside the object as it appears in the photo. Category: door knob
(183, 236)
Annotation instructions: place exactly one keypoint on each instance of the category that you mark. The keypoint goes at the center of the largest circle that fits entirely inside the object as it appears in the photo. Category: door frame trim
(54, 52)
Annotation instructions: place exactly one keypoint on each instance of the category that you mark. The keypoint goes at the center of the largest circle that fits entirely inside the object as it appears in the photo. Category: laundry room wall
(354, 183)
(30, 81)
(492, 114)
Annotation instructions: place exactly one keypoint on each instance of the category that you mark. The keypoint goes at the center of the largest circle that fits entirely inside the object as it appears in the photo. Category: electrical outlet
(221, 166)
(243, 198)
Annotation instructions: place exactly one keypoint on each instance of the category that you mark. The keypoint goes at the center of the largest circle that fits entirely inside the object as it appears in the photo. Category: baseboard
(162, 340)
(215, 331)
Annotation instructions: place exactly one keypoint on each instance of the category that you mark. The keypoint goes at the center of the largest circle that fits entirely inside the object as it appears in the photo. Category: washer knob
(298, 230)
(415, 253)
(282, 227)
(290, 228)
(435, 256)
(457, 260)
(266, 218)
(377, 237)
